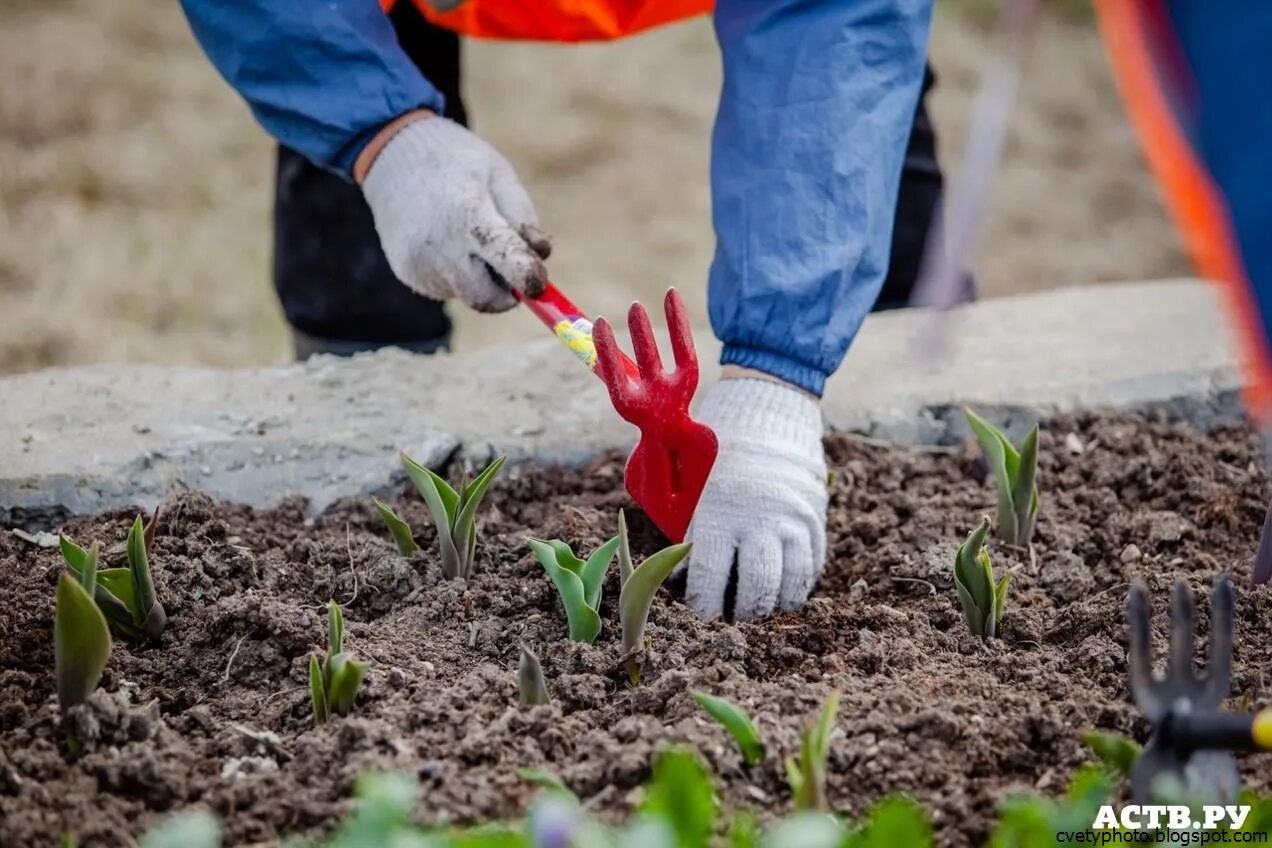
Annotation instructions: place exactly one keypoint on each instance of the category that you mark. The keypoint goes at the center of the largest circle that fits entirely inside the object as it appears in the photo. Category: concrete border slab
(80, 440)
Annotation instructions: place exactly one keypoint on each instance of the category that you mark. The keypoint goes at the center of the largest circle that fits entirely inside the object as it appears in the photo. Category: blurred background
(135, 189)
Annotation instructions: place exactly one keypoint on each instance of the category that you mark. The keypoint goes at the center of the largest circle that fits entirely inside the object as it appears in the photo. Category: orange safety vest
(558, 20)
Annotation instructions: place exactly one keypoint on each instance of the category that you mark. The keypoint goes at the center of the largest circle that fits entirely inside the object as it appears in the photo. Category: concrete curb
(81, 440)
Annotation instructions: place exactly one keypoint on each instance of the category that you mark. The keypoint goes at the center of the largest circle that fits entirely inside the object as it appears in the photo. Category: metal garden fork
(1189, 751)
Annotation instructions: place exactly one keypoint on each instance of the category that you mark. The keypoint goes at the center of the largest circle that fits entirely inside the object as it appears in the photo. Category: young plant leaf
(465, 529)
(544, 780)
(334, 680)
(893, 821)
(807, 773)
(335, 628)
(81, 639)
(593, 572)
(584, 623)
(398, 529)
(532, 689)
(345, 676)
(636, 597)
(1024, 492)
(148, 613)
(88, 572)
(625, 566)
(682, 796)
(442, 502)
(737, 722)
(114, 588)
(981, 599)
(1015, 474)
(317, 690)
(1115, 751)
(72, 553)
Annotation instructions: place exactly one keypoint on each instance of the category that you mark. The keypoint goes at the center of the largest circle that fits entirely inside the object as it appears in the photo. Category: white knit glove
(764, 503)
(453, 219)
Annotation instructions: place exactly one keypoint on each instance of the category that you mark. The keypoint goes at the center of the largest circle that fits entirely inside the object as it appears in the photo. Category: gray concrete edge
(81, 440)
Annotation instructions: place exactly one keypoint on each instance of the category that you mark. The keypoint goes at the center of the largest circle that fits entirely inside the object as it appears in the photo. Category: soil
(219, 714)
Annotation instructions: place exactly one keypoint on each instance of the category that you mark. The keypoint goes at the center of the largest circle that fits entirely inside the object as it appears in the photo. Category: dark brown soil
(219, 714)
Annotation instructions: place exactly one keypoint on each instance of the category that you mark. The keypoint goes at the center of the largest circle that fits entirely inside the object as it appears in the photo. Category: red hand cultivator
(670, 464)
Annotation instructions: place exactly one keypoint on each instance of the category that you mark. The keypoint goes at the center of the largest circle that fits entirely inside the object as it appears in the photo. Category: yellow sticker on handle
(1262, 729)
(577, 336)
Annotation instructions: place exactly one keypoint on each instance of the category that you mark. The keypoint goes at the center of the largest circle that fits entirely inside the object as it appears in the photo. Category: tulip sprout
(398, 529)
(806, 773)
(737, 722)
(532, 689)
(334, 682)
(126, 595)
(1015, 473)
(981, 599)
(639, 585)
(578, 582)
(81, 638)
(454, 513)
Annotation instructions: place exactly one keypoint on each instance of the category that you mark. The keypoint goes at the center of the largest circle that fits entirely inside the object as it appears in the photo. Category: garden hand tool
(670, 464)
(1189, 751)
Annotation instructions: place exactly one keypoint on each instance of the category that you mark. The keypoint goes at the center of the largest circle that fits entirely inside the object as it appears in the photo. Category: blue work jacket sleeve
(806, 156)
(321, 77)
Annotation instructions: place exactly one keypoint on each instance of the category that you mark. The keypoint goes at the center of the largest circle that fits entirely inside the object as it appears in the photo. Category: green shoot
(1015, 472)
(334, 682)
(544, 780)
(532, 689)
(681, 796)
(896, 820)
(981, 599)
(578, 582)
(126, 595)
(1114, 751)
(637, 595)
(806, 773)
(398, 529)
(737, 722)
(454, 512)
(81, 637)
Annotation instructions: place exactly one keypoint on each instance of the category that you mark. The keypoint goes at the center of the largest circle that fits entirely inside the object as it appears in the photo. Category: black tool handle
(1211, 731)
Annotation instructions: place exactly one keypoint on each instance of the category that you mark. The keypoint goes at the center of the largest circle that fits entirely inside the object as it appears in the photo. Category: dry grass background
(135, 188)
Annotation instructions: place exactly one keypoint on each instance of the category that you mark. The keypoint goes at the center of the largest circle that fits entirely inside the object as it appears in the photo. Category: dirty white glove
(765, 502)
(453, 219)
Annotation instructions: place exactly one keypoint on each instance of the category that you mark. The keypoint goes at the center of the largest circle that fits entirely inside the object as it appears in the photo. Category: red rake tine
(671, 462)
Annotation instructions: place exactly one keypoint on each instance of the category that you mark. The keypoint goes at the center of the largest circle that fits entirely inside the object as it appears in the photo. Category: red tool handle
(568, 323)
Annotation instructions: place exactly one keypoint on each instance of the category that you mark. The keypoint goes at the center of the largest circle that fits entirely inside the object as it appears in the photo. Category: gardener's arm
(814, 116)
(329, 79)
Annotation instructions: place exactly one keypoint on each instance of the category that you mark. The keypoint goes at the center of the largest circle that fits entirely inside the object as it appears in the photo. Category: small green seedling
(982, 601)
(454, 513)
(532, 689)
(806, 773)
(398, 529)
(126, 595)
(578, 582)
(81, 639)
(1015, 472)
(737, 722)
(639, 585)
(1115, 752)
(334, 681)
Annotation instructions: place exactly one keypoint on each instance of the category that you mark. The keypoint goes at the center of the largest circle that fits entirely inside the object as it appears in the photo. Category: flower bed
(219, 713)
